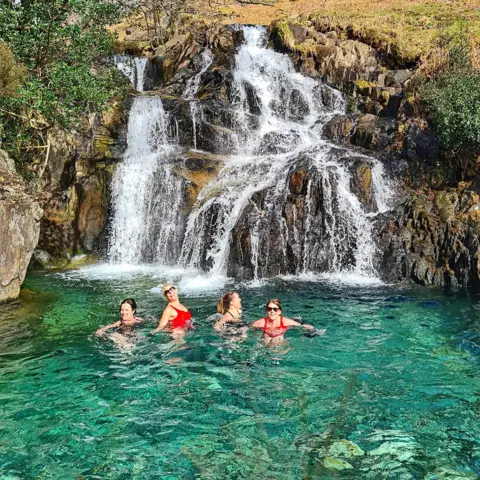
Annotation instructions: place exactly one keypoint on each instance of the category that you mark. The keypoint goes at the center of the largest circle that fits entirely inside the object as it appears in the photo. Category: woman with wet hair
(230, 306)
(176, 318)
(128, 319)
(274, 325)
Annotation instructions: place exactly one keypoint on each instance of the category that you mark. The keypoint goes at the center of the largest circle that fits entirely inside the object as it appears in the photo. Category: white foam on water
(112, 271)
(337, 278)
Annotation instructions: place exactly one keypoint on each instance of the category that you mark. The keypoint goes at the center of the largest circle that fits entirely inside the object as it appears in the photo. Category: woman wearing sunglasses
(230, 306)
(274, 325)
(175, 318)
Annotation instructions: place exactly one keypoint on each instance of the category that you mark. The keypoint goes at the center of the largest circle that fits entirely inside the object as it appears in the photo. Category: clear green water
(397, 374)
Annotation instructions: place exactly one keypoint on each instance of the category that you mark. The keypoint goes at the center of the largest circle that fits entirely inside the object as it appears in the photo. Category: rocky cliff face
(74, 189)
(431, 236)
(20, 217)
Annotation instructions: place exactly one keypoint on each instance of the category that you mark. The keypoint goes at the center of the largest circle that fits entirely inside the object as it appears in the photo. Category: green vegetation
(452, 100)
(58, 76)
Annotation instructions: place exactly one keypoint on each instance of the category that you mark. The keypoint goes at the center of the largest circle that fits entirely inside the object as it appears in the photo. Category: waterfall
(191, 90)
(286, 200)
(279, 117)
(146, 196)
(133, 68)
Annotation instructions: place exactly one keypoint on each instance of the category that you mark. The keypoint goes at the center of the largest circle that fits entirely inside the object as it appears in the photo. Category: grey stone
(20, 218)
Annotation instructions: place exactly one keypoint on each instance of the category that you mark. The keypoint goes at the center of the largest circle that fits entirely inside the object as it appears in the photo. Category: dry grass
(407, 28)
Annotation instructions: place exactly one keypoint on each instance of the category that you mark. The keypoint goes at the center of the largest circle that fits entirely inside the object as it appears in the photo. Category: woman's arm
(292, 323)
(167, 315)
(102, 330)
(260, 323)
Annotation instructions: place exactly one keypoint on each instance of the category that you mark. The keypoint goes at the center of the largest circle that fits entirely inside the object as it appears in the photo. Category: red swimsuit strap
(281, 326)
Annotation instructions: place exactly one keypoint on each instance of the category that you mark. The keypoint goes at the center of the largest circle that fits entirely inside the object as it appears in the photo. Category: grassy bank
(408, 28)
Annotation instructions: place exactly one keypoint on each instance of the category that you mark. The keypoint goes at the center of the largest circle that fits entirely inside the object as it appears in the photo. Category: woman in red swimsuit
(175, 318)
(274, 325)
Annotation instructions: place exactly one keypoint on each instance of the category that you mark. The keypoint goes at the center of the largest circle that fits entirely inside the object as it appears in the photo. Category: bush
(11, 74)
(62, 44)
(453, 105)
(452, 99)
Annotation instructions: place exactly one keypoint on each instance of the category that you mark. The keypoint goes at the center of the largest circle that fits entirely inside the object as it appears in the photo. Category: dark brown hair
(223, 303)
(131, 302)
(276, 301)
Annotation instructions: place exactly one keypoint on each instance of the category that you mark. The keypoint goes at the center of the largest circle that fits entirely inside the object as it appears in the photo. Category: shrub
(452, 100)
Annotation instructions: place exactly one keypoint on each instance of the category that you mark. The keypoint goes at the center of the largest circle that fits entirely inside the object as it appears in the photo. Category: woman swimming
(274, 325)
(175, 318)
(230, 305)
(128, 309)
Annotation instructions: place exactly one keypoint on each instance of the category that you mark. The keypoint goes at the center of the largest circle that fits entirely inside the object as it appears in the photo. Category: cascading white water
(145, 195)
(191, 90)
(279, 116)
(291, 111)
(133, 68)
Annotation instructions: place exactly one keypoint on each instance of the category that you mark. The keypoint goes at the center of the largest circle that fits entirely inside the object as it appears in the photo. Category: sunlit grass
(409, 29)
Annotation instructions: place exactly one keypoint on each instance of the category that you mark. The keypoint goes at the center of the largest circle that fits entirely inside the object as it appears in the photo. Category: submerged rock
(345, 449)
(20, 218)
(336, 464)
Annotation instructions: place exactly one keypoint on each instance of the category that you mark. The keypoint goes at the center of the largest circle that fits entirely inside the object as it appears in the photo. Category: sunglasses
(170, 290)
(272, 309)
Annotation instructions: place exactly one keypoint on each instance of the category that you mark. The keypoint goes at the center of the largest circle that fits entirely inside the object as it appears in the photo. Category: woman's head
(128, 309)
(273, 307)
(230, 299)
(170, 292)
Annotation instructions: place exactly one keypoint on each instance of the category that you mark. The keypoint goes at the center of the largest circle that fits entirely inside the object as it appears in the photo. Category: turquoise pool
(392, 391)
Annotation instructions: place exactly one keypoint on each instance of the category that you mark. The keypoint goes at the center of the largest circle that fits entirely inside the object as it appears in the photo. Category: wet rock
(20, 218)
(293, 227)
(91, 215)
(298, 182)
(433, 239)
(254, 104)
(393, 105)
(297, 106)
(338, 129)
(374, 133)
(153, 74)
(361, 183)
(197, 169)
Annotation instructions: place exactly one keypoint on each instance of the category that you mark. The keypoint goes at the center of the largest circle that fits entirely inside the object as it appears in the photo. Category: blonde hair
(167, 287)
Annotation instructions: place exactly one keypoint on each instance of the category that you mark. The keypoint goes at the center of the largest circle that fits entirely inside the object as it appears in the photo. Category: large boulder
(20, 218)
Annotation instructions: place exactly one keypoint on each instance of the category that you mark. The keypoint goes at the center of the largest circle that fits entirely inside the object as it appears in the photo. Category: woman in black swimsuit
(230, 306)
